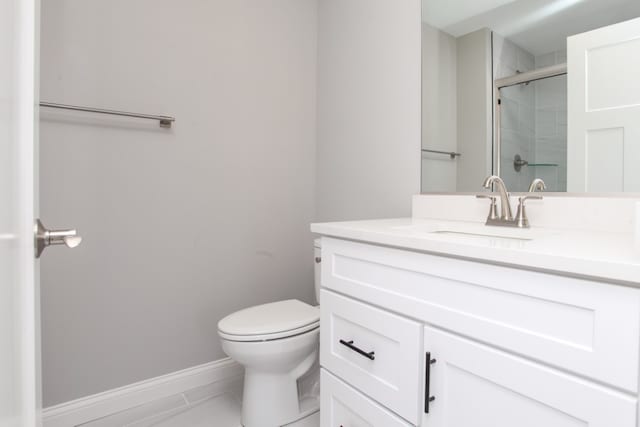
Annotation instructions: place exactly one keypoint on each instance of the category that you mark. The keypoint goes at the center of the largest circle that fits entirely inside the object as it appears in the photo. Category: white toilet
(277, 343)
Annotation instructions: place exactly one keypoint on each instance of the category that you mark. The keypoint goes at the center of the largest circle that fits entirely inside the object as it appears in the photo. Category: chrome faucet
(537, 185)
(506, 218)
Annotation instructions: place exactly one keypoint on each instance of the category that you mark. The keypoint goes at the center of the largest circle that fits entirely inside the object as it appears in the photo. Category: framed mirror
(500, 96)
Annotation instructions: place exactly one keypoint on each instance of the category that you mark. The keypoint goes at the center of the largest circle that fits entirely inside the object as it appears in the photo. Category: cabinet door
(343, 406)
(480, 386)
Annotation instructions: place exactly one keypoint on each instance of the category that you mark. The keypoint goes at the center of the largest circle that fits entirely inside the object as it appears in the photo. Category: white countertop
(609, 256)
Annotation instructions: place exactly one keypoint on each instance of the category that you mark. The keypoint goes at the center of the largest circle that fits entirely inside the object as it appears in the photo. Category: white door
(475, 385)
(603, 144)
(19, 306)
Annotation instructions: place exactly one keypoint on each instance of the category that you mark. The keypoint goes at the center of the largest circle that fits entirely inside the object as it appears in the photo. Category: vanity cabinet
(491, 345)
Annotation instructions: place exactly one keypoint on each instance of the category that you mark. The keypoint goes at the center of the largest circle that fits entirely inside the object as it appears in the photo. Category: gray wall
(368, 108)
(184, 226)
(439, 109)
(475, 110)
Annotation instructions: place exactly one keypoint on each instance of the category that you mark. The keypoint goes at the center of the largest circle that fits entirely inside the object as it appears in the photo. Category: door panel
(603, 109)
(19, 322)
(479, 386)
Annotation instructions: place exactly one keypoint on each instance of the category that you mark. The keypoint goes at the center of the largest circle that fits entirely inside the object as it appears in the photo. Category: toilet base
(312, 420)
(293, 403)
(280, 378)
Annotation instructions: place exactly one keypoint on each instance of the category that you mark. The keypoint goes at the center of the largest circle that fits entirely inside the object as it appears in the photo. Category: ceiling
(538, 26)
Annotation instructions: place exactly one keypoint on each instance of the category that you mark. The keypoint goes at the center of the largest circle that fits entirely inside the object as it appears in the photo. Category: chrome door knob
(44, 238)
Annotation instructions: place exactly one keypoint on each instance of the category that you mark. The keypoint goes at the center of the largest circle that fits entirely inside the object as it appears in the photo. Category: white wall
(368, 108)
(183, 226)
(439, 109)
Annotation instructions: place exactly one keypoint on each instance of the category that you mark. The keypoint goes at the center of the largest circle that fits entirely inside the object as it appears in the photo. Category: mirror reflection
(496, 94)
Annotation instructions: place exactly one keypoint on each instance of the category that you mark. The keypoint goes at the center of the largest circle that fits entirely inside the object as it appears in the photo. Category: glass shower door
(533, 133)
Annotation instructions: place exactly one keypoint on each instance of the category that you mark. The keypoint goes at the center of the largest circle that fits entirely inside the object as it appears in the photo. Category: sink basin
(463, 233)
(473, 230)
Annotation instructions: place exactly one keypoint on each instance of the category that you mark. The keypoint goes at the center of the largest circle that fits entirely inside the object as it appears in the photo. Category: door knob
(44, 238)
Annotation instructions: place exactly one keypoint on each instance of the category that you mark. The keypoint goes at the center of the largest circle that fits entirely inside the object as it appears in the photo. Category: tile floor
(219, 411)
(215, 405)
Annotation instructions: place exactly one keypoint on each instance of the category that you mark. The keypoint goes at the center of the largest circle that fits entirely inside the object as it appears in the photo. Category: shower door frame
(498, 84)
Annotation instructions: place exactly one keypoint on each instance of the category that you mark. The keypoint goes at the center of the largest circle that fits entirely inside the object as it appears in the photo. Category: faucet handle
(493, 209)
(523, 198)
(521, 215)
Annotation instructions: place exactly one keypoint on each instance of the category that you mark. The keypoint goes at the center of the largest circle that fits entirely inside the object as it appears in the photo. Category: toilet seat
(271, 321)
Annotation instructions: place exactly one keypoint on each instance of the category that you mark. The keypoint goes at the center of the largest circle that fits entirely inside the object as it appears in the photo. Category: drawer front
(345, 407)
(581, 326)
(375, 351)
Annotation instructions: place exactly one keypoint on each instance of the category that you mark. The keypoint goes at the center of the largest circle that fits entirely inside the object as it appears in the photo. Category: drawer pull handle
(369, 355)
(427, 382)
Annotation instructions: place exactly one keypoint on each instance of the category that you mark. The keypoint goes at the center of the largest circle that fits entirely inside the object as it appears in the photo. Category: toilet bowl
(277, 343)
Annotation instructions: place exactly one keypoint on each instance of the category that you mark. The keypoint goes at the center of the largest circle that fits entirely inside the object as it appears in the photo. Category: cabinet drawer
(344, 406)
(373, 350)
(476, 385)
(581, 326)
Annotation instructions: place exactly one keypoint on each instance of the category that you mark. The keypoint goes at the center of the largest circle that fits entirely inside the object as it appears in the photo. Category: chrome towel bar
(451, 154)
(165, 121)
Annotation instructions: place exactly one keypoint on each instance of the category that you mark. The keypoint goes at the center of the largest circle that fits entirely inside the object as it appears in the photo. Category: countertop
(607, 256)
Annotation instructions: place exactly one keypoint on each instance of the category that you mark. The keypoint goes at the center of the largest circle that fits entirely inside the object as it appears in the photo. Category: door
(19, 307)
(474, 385)
(603, 109)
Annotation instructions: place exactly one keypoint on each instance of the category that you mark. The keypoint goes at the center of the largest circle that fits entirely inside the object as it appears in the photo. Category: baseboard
(120, 399)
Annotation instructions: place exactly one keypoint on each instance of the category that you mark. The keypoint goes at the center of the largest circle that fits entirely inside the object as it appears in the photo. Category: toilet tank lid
(270, 318)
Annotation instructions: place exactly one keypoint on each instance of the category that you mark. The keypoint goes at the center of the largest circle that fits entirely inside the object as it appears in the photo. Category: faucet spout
(537, 185)
(505, 205)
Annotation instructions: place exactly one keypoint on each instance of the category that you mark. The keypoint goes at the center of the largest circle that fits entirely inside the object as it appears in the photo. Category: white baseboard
(99, 405)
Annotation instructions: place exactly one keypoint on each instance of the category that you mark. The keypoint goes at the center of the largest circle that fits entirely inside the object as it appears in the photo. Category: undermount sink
(473, 230)
(463, 233)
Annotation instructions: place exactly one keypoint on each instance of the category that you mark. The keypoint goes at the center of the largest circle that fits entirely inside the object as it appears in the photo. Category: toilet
(277, 343)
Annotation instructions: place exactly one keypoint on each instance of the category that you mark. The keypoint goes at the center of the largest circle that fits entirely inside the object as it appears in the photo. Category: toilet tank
(316, 267)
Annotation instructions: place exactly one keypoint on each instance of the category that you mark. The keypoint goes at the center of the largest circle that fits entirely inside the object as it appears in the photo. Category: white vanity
(436, 322)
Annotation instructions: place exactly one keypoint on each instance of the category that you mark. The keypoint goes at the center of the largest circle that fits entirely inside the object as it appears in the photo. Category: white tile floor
(219, 411)
(217, 405)
(200, 407)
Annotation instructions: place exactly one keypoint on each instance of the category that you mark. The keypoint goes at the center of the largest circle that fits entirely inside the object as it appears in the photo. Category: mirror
(495, 95)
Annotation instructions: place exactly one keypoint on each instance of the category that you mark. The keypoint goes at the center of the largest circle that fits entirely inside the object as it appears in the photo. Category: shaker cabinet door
(474, 385)
(344, 406)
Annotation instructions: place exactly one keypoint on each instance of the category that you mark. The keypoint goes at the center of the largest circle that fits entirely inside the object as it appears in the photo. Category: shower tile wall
(551, 124)
(518, 112)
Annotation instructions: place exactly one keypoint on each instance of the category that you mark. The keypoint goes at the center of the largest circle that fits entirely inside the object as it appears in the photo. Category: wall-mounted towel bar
(451, 154)
(165, 121)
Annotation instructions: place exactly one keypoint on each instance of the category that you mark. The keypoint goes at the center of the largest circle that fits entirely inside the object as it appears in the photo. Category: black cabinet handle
(427, 382)
(369, 355)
